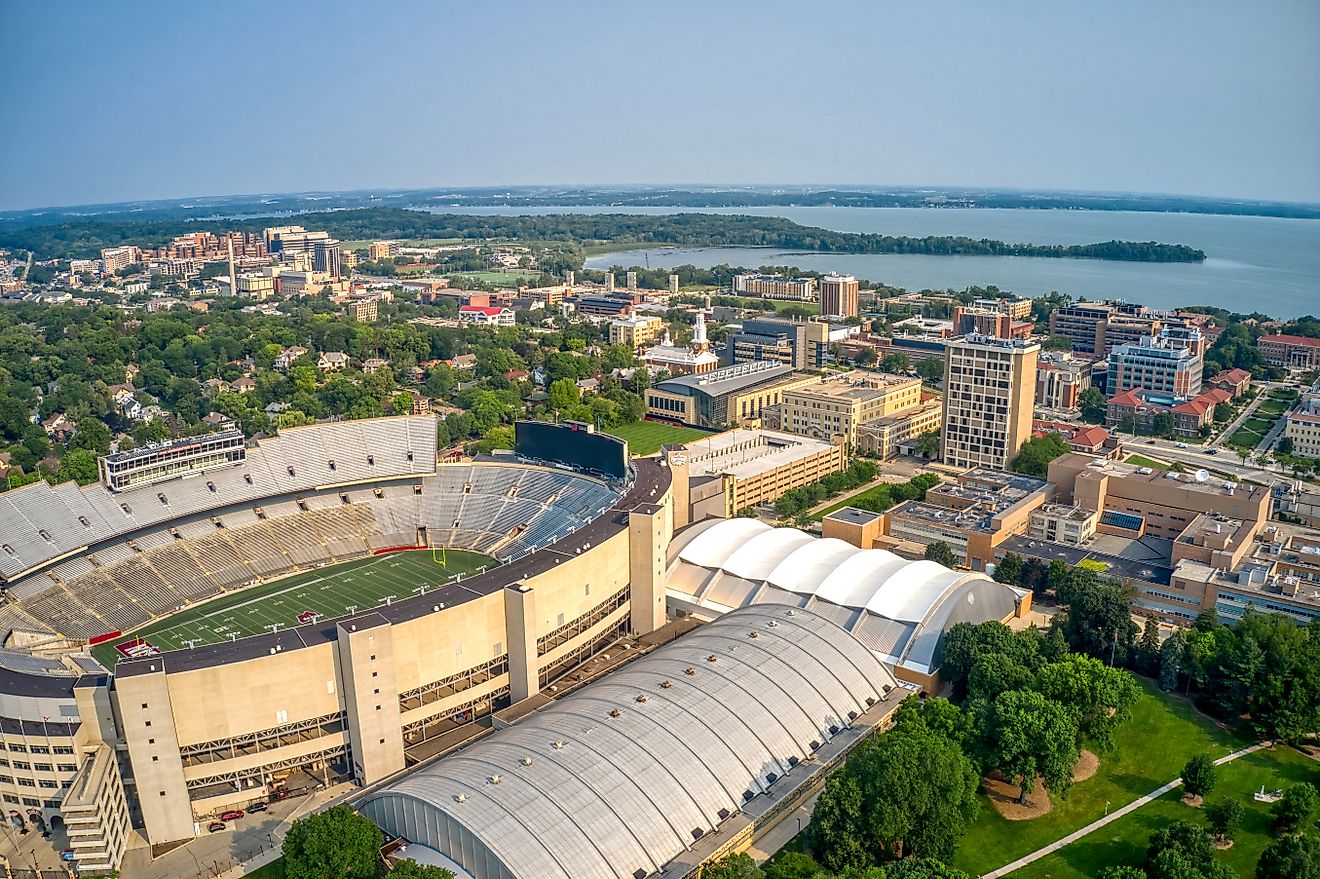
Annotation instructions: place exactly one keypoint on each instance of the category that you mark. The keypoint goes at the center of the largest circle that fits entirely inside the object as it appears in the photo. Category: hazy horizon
(1212, 100)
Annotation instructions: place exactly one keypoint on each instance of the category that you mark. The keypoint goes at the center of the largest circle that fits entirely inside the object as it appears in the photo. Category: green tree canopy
(1024, 735)
(1099, 696)
(1198, 775)
(332, 844)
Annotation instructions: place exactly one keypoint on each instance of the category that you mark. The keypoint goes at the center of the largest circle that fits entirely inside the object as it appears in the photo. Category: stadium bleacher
(125, 582)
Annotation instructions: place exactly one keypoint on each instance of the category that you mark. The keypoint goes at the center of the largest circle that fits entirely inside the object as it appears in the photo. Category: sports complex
(219, 618)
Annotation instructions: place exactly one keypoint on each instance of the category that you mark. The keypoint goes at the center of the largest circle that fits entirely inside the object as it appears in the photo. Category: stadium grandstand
(898, 607)
(239, 712)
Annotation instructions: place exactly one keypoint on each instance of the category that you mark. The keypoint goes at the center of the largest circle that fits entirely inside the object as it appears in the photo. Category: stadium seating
(122, 583)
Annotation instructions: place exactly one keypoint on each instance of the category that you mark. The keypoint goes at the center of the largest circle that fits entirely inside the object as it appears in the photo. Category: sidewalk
(1112, 816)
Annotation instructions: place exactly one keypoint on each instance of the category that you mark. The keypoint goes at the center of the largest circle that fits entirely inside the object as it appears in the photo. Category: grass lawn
(273, 870)
(1273, 406)
(1125, 841)
(849, 501)
(1150, 751)
(504, 279)
(646, 437)
(330, 592)
(1143, 461)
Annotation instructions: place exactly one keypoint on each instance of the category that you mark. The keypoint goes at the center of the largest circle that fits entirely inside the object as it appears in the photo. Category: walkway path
(1112, 816)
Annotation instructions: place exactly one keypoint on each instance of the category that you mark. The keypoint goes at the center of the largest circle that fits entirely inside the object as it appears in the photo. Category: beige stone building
(989, 389)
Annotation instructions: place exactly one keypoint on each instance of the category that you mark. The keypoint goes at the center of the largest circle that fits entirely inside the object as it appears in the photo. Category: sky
(113, 102)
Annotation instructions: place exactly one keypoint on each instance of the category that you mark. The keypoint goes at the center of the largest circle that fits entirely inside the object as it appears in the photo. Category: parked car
(1181, 445)
(281, 794)
(231, 815)
(1212, 451)
(256, 807)
(215, 826)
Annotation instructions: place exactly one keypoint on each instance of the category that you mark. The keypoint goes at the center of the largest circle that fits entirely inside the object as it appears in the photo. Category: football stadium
(218, 619)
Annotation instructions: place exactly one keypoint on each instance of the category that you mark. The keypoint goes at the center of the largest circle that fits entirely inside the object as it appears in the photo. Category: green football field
(328, 592)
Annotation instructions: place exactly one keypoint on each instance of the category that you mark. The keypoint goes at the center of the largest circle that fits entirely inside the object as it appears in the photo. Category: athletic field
(327, 592)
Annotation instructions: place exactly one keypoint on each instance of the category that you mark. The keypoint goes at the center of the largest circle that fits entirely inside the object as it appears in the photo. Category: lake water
(1261, 264)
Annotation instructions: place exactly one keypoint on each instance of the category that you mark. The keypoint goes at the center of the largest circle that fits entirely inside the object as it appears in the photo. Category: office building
(802, 344)
(839, 406)
(636, 330)
(742, 468)
(730, 396)
(1293, 352)
(973, 516)
(838, 296)
(1161, 366)
(292, 239)
(363, 310)
(1086, 324)
(775, 287)
(632, 280)
(327, 258)
(378, 250)
(989, 322)
(989, 388)
(114, 259)
(882, 437)
(1060, 380)
(673, 285)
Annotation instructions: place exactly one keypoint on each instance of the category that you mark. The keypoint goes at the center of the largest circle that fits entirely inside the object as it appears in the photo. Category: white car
(1181, 445)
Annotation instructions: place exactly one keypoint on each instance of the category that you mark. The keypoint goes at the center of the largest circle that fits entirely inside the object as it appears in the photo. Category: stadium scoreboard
(574, 444)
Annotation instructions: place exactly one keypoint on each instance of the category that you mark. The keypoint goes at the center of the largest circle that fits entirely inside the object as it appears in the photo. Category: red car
(232, 815)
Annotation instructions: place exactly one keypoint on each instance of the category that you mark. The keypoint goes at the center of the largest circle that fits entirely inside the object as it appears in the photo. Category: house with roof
(1236, 381)
(1143, 407)
(288, 356)
(332, 361)
(371, 364)
(485, 316)
(462, 361)
(218, 421)
(214, 386)
(243, 385)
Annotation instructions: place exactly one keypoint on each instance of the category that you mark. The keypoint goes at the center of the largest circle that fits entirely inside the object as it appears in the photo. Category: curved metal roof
(917, 600)
(616, 780)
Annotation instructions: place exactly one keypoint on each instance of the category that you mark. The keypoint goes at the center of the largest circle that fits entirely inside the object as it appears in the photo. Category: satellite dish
(1202, 475)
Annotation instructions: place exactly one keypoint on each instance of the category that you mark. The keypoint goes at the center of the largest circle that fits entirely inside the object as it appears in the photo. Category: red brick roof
(1091, 437)
(1234, 376)
(480, 309)
(1284, 339)
(1128, 398)
(1198, 406)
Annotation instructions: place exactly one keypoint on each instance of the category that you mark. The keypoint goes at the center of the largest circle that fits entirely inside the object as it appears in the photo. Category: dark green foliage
(941, 553)
(1036, 454)
(1224, 818)
(1198, 775)
(1292, 857)
(414, 870)
(910, 791)
(1009, 569)
(332, 844)
(1024, 734)
(736, 866)
(1297, 811)
(1099, 618)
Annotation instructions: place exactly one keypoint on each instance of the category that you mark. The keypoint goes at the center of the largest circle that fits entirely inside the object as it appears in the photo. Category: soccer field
(328, 592)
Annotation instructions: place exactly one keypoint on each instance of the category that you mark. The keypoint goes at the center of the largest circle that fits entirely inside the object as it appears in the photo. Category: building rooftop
(730, 378)
(1285, 339)
(744, 453)
(856, 386)
(854, 516)
(1066, 512)
(1201, 480)
(1151, 570)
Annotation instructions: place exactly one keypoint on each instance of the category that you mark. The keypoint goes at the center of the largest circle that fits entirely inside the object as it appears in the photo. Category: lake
(1264, 264)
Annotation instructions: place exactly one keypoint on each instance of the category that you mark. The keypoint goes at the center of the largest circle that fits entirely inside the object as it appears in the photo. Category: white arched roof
(920, 597)
(616, 780)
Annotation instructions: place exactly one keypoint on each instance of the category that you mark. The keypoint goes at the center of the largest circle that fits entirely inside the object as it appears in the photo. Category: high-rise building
(383, 250)
(1060, 380)
(326, 257)
(116, 258)
(989, 387)
(1161, 365)
(838, 296)
(632, 280)
(636, 330)
(673, 285)
(292, 239)
(609, 282)
(1096, 327)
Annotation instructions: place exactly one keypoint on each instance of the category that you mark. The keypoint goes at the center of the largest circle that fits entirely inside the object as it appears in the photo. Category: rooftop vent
(494, 779)
(689, 671)
(460, 798)
(527, 761)
(665, 685)
(614, 712)
(641, 697)
(712, 658)
(557, 745)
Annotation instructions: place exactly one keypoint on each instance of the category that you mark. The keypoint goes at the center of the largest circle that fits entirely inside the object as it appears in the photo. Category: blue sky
(111, 101)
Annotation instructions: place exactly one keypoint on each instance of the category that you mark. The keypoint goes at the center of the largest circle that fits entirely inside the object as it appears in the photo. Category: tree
(91, 434)
(736, 866)
(1057, 343)
(1009, 569)
(79, 465)
(1026, 735)
(1123, 872)
(1093, 405)
(1162, 424)
(898, 362)
(928, 444)
(1296, 811)
(1171, 661)
(563, 394)
(941, 553)
(414, 870)
(1188, 843)
(996, 673)
(332, 844)
(1099, 696)
(1198, 775)
(920, 868)
(931, 370)
(1099, 620)
(1285, 446)
(910, 791)
(1035, 455)
(1224, 817)
(1148, 648)
(1292, 857)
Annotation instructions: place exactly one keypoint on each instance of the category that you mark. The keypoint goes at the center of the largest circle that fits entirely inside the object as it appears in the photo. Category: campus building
(1293, 352)
(801, 344)
(729, 396)
(989, 389)
(840, 405)
(636, 330)
(1164, 366)
(775, 287)
(1060, 380)
(838, 296)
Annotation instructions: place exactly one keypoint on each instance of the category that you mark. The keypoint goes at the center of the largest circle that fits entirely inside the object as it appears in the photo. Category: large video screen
(571, 444)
